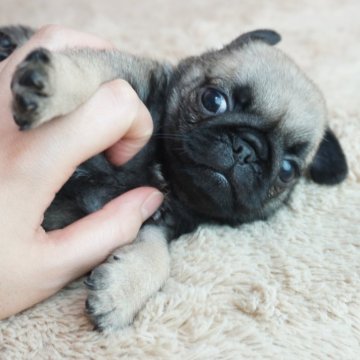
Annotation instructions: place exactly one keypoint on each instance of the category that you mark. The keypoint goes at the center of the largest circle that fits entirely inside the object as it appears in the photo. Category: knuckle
(131, 109)
(123, 97)
(18, 157)
(61, 36)
(147, 124)
(125, 90)
(123, 231)
(50, 33)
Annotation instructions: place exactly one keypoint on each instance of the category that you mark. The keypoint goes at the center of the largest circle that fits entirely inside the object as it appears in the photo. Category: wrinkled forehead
(281, 93)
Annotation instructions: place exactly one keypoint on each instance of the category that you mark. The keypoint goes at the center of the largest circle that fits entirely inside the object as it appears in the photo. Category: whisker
(170, 136)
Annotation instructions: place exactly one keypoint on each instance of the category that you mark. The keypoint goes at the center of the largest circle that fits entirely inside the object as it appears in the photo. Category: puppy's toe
(33, 79)
(40, 55)
(108, 305)
(119, 288)
(104, 313)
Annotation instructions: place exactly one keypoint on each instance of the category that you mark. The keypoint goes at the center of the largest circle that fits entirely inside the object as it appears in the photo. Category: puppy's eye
(288, 171)
(214, 101)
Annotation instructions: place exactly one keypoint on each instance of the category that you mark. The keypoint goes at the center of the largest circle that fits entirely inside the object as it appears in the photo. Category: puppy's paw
(7, 44)
(32, 89)
(120, 287)
(115, 292)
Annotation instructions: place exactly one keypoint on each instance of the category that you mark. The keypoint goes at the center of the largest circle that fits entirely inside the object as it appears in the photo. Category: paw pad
(39, 55)
(21, 122)
(96, 280)
(33, 79)
(32, 89)
(88, 308)
(26, 104)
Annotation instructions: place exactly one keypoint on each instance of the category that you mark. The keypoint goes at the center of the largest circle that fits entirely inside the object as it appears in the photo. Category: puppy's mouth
(213, 192)
(233, 180)
(205, 190)
(219, 180)
(222, 171)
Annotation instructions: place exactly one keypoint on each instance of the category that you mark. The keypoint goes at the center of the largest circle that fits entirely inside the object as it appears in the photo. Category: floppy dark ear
(329, 166)
(268, 36)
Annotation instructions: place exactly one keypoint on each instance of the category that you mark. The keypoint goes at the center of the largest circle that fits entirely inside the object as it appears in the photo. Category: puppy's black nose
(249, 146)
(243, 152)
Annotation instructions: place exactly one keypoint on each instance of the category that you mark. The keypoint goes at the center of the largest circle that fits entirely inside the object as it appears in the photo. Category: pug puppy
(234, 131)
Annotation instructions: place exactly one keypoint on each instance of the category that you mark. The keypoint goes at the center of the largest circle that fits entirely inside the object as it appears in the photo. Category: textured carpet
(285, 289)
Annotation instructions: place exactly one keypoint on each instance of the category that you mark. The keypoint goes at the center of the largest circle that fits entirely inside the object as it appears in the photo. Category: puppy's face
(243, 124)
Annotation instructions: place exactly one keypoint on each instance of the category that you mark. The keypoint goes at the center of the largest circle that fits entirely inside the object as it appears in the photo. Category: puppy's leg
(119, 288)
(46, 85)
(12, 37)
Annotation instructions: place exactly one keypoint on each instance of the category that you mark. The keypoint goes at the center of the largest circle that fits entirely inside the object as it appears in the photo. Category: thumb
(84, 244)
(114, 113)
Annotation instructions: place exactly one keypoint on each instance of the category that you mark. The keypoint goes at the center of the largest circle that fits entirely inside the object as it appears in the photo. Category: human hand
(35, 164)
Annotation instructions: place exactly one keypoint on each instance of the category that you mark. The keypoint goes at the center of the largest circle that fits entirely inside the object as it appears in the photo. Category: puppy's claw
(88, 308)
(98, 328)
(90, 284)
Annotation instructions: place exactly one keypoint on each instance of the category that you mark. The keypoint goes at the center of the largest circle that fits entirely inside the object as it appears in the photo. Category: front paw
(112, 301)
(120, 287)
(32, 89)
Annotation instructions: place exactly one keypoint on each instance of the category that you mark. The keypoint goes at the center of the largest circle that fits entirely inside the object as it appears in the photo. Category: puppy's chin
(231, 198)
(205, 191)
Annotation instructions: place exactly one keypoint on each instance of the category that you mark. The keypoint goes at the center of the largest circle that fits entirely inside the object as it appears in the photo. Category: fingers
(57, 258)
(134, 140)
(52, 37)
(87, 242)
(59, 146)
(53, 151)
(44, 158)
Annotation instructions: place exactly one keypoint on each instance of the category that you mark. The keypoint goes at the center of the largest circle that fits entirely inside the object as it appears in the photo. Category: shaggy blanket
(288, 288)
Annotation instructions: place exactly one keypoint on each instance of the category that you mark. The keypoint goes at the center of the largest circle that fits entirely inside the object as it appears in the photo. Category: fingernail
(151, 204)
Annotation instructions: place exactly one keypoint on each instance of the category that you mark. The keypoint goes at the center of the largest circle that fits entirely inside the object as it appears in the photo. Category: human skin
(35, 164)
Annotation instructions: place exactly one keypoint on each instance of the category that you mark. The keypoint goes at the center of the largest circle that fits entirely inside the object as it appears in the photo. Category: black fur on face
(224, 166)
(223, 170)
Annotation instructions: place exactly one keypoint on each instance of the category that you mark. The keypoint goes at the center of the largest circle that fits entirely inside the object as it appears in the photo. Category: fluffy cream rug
(288, 288)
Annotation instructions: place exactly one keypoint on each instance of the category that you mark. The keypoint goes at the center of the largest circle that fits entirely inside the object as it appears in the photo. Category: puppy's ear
(270, 37)
(329, 166)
